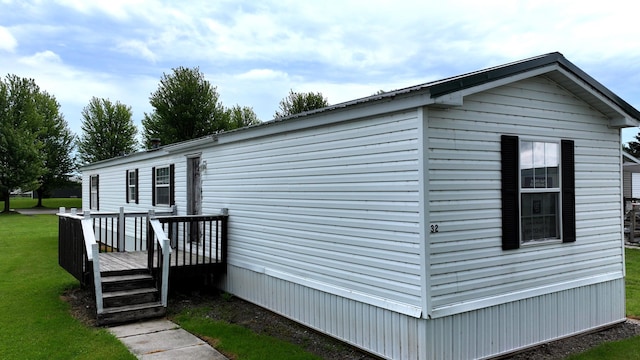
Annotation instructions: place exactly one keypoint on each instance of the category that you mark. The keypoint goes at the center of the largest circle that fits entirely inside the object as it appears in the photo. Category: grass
(628, 349)
(26, 203)
(236, 341)
(632, 282)
(36, 322)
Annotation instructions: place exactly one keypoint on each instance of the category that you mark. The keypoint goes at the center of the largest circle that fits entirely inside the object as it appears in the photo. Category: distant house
(464, 218)
(631, 176)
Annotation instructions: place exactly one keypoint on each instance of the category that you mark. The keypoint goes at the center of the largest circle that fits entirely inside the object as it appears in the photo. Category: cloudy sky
(256, 51)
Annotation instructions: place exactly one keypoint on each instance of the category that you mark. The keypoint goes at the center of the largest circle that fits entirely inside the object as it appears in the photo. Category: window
(538, 196)
(539, 190)
(163, 185)
(93, 192)
(132, 186)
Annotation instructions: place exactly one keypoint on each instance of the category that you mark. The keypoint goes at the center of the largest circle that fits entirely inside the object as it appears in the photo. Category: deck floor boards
(135, 260)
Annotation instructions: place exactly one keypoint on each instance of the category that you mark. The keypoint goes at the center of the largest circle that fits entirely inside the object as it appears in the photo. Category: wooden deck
(136, 260)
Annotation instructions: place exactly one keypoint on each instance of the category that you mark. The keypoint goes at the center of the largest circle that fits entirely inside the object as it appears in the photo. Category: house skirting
(474, 334)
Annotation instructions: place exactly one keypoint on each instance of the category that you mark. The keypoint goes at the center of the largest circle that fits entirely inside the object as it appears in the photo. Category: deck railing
(196, 240)
(120, 231)
(199, 240)
(72, 254)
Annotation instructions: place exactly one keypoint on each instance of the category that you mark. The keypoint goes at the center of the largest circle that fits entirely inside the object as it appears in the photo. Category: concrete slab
(162, 339)
(190, 353)
(145, 327)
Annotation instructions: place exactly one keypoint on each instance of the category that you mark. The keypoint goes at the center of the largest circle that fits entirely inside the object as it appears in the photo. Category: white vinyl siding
(467, 261)
(336, 205)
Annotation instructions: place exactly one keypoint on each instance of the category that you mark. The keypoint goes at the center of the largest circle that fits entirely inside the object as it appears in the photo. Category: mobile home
(463, 218)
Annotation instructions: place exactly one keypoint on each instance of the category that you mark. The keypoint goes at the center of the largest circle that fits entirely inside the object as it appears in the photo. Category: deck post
(121, 244)
(150, 240)
(95, 250)
(166, 255)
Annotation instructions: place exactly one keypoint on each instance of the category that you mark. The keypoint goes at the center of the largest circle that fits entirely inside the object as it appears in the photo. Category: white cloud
(262, 75)
(7, 41)
(45, 58)
(137, 48)
(118, 9)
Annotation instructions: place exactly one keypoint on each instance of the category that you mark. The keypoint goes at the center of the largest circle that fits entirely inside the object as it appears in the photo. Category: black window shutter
(91, 192)
(97, 192)
(153, 186)
(568, 191)
(126, 183)
(172, 184)
(137, 187)
(510, 203)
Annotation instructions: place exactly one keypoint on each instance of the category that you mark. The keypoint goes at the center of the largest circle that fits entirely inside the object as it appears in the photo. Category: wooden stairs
(128, 296)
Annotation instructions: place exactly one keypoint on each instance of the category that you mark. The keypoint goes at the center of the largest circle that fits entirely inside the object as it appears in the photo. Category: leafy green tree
(186, 106)
(20, 148)
(240, 116)
(296, 103)
(58, 144)
(107, 131)
(633, 147)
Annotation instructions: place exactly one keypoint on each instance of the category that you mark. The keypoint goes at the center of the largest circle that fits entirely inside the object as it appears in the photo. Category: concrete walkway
(36, 211)
(162, 339)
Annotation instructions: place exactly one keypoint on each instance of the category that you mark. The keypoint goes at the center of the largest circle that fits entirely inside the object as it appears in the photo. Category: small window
(163, 185)
(93, 192)
(539, 191)
(132, 186)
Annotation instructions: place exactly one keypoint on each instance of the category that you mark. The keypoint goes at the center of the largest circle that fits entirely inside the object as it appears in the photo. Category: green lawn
(35, 321)
(632, 282)
(25, 203)
(238, 340)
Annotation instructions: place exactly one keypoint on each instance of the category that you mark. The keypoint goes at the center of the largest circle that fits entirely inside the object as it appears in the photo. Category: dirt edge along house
(463, 218)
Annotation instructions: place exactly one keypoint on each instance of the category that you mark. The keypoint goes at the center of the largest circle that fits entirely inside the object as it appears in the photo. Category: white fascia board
(457, 98)
(621, 121)
(143, 155)
(153, 153)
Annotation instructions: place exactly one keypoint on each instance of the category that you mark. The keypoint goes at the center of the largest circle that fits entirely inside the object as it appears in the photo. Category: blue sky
(256, 51)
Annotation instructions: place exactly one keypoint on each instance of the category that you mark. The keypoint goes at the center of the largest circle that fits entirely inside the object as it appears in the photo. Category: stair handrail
(165, 246)
(93, 252)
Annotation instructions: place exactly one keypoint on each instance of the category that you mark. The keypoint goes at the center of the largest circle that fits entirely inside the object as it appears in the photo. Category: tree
(58, 143)
(238, 117)
(107, 131)
(186, 106)
(633, 147)
(296, 103)
(20, 148)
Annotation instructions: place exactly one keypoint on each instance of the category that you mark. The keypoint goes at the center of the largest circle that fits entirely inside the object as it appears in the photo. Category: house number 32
(434, 228)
